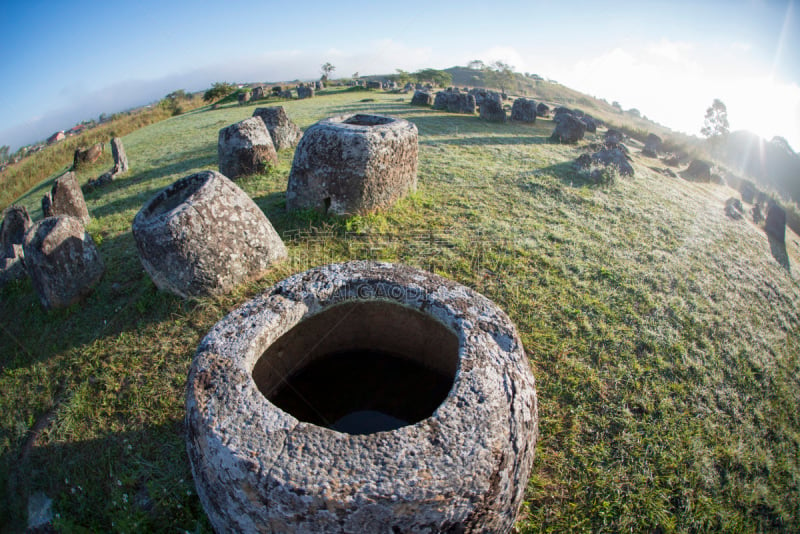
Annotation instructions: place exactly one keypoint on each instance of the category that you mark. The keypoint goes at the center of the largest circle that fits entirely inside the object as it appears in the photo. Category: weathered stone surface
(569, 129)
(285, 94)
(84, 156)
(776, 222)
(734, 208)
(16, 223)
(318, 85)
(12, 265)
(523, 110)
(305, 92)
(461, 468)
(492, 109)
(245, 148)
(698, 170)
(748, 190)
(374, 85)
(607, 157)
(258, 93)
(454, 102)
(62, 261)
(120, 158)
(66, 198)
(543, 110)
(652, 146)
(560, 112)
(482, 94)
(591, 125)
(203, 235)
(244, 97)
(352, 164)
(614, 136)
(284, 133)
(422, 98)
(277, 89)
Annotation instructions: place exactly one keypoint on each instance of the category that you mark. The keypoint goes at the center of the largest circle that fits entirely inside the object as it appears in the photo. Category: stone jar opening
(360, 367)
(368, 120)
(175, 195)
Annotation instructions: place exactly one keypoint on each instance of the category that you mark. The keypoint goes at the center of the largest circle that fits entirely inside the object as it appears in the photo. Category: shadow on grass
(569, 174)
(181, 167)
(290, 224)
(142, 475)
(778, 250)
(125, 299)
(132, 201)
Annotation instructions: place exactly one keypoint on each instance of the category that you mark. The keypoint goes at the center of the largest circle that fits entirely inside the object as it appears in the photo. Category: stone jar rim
(173, 198)
(241, 337)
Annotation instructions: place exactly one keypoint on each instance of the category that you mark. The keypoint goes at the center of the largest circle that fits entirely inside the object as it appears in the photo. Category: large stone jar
(362, 397)
(62, 261)
(203, 235)
(353, 164)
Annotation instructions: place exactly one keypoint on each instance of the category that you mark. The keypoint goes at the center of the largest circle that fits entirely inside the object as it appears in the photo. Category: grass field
(664, 337)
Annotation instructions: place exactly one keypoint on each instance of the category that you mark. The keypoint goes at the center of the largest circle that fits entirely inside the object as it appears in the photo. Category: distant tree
(434, 76)
(4, 151)
(355, 75)
(218, 90)
(172, 102)
(616, 105)
(715, 126)
(476, 64)
(327, 68)
(403, 77)
(716, 120)
(635, 112)
(501, 74)
(180, 94)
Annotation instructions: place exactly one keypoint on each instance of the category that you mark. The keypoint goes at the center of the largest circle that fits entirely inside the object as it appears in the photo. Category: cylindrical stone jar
(353, 164)
(362, 397)
(203, 235)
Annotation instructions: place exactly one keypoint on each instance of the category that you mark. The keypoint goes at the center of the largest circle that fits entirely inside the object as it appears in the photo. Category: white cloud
(506, 54)
(672, 83)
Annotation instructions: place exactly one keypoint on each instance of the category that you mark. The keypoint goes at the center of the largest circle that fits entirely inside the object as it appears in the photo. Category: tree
(616, 105)
(218, 90)
(4, 150)
(715, 125)
(327, 68)
(403, 77)
(355, 75)
(436, 77)
(476, 64)
(500, 74)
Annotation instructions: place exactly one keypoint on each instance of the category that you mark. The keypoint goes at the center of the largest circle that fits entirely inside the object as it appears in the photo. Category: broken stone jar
(362, 397)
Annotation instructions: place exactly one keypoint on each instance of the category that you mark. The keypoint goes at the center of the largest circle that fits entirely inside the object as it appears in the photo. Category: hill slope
(663, 335)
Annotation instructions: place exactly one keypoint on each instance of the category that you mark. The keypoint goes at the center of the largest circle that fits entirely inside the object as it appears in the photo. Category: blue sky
(68, 61)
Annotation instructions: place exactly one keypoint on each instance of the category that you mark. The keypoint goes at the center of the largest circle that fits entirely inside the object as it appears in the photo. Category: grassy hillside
(663, 335)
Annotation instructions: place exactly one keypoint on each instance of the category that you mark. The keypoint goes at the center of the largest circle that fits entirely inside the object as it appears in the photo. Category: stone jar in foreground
(362, 397)
(203, 235)
(245, 148)
(353, 164)
(62, 261)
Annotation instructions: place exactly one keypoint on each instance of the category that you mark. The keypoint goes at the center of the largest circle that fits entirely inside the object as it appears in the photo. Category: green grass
(663, 336)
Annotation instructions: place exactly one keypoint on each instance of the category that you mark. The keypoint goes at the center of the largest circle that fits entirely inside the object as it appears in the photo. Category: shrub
(218, 90)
